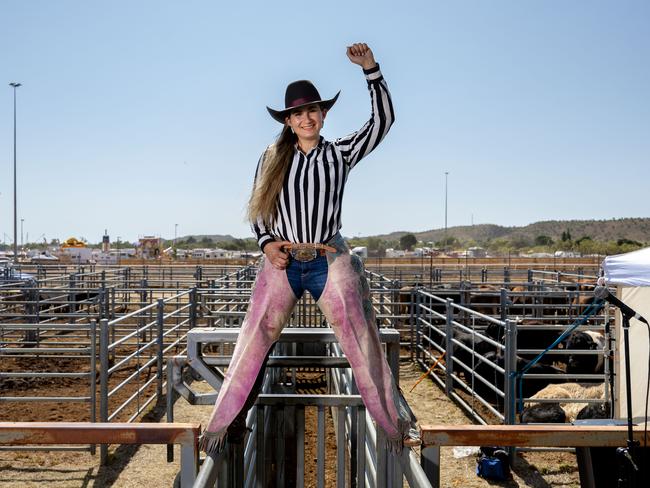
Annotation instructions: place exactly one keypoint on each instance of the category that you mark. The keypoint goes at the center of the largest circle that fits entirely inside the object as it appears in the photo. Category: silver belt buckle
(304, 254)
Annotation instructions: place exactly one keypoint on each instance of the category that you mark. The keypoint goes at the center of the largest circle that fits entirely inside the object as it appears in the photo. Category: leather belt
(305, 252)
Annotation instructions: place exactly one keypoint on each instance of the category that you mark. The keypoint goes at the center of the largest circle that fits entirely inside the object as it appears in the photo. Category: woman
(295, 210)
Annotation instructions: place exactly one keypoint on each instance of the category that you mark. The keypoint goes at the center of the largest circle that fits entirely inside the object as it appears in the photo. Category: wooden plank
(30, 433)
(527, 435)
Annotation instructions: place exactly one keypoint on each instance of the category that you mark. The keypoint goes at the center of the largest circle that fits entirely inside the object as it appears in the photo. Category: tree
(190, 240)
(519, 242)
(407, 242)
(449, 241)
(566, 236)
(543, 240)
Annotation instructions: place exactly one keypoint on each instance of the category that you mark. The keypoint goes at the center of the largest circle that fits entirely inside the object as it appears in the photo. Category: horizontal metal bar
(320, 334)
(45, 399)
(39, 374)
(287, 361)
(310, 400)
(44, 350)
(135, 313)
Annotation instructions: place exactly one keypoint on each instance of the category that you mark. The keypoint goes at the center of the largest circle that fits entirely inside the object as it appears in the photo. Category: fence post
(93, 377)
(414, 305)
(171, 378)
(72, 298)
(103, 383)
(395, 305)
(504, 304)
(510, 366)
(142, 320)
(193, 297)
(161, 346)
(449, 348)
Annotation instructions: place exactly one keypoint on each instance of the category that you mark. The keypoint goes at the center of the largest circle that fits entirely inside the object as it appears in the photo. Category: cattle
(486, 299)
(581, 363)
(472, 342)
(528, 337)
(583, 295)
(595, 411)
(529, 386)
(544, 412)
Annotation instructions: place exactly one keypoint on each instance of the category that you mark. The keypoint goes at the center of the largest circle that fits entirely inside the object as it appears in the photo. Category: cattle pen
(104, 344)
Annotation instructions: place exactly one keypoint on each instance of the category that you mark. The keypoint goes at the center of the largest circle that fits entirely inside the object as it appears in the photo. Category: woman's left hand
(361, 54)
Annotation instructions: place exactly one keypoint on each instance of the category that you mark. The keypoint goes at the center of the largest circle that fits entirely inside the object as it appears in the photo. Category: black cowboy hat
(298, 94)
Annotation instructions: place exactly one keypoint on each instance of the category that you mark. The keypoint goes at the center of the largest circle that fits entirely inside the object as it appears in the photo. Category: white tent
(630, 273)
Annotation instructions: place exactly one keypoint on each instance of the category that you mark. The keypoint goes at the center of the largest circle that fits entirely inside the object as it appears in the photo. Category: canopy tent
(631, 269)
(630, 273)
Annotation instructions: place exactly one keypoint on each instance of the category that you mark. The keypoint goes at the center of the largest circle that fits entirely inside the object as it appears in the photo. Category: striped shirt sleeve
(260, 230)
(357, 145)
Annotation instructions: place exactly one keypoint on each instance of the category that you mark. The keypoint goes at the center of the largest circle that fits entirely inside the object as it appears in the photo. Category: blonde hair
(266, 190)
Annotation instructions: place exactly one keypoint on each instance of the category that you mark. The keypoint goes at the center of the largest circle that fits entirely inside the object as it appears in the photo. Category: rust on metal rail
(527, 435)
(30, 433)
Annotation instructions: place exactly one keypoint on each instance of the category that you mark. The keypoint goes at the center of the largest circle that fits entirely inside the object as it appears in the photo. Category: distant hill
(636, 229)
(212, 237)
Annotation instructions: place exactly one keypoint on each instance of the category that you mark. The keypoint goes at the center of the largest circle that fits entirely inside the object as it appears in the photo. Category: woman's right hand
(276, 255)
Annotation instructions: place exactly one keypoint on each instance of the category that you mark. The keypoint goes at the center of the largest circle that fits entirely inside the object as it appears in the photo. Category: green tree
(519, 242)
(407, 242)
(449, 241)
(543, 240)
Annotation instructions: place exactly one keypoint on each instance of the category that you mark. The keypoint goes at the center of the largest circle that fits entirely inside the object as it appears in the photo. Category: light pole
(446, 175)
(22, 242)
(175, 234)
(15, 85)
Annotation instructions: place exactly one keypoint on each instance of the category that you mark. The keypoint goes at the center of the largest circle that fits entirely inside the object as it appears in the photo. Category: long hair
(268, 184)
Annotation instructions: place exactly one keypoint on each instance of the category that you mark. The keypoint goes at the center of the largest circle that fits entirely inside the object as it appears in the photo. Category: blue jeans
(310, 276)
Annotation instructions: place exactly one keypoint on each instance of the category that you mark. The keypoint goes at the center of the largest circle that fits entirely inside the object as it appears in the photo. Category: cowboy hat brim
(280, 115)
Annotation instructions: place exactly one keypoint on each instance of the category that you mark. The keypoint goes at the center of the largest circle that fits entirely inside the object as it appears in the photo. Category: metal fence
(273, 452)
(457, 343)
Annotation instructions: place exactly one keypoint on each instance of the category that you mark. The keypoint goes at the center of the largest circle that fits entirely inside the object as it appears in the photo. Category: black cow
(528, 338)
(585, 363)
(478, 345)
(543, 413)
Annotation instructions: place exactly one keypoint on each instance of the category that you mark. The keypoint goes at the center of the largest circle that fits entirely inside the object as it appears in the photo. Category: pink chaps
(345, 302)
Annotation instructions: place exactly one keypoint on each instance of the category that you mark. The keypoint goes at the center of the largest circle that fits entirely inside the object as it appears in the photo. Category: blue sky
(135, 116)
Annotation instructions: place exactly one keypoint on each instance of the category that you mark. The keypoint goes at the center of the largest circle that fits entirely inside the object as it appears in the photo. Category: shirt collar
(321, 141)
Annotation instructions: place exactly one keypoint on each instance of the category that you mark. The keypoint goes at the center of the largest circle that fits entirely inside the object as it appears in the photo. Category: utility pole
(15, 85)
(446, 175)
(175, 234)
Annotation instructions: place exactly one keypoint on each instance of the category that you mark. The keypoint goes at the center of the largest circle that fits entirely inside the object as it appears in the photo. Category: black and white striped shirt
(309, 204)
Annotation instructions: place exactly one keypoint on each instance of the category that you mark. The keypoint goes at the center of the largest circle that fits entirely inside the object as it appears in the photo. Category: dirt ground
(132, 466)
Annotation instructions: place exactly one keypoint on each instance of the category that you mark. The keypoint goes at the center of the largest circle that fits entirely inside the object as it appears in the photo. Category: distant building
(566, 254)
(395, 253)
(183, 253)
(76, 250)
(476, 252)
(149, 247)
(106, 242)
